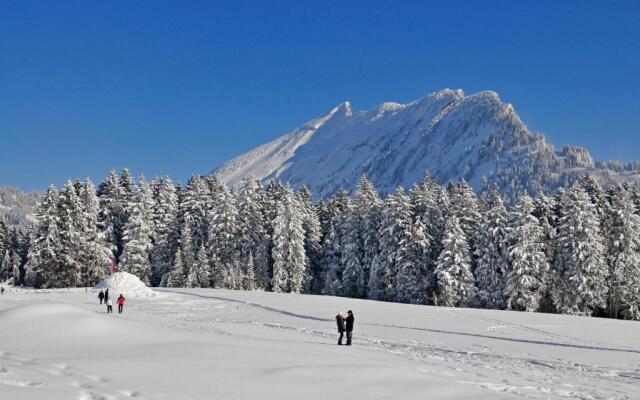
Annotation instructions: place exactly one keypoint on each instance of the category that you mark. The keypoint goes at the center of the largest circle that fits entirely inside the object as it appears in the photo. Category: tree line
(576, 252)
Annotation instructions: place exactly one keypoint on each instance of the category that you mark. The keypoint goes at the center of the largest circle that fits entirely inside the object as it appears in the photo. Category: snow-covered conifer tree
(6, 269)
(312, 233)
(526, 278)
(222, 238)
(398, 273)
(288, 246)
(331, 224)
(114, 199)
(356, 256)
(581, 269)
(165, 220)
(624, 256)
(198, 276)
(455, 282)
(70, 214)
(249, 276)
(94, 253)
(492, 245)
(137, 234)
(252, 230)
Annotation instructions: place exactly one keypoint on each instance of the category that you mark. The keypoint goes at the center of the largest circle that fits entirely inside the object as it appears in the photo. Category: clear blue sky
(176, 88)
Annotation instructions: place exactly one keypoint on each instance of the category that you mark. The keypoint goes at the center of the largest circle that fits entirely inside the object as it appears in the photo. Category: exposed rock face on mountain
(477, 138)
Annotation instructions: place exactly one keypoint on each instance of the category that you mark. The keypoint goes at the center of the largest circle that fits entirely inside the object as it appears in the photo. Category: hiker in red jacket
(120, 303)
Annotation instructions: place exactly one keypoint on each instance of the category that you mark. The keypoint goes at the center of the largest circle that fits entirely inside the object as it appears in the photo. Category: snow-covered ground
(219, 344)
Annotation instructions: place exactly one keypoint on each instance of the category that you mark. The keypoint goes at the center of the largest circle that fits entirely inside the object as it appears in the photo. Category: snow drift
(127, 284)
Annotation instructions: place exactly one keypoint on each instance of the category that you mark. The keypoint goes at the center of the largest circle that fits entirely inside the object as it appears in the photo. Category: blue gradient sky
(176, 88)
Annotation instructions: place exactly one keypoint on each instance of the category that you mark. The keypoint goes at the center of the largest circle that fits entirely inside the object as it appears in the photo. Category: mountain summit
(454, 136)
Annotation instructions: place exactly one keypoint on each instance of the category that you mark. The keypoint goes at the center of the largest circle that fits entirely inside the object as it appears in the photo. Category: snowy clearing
(205, 343)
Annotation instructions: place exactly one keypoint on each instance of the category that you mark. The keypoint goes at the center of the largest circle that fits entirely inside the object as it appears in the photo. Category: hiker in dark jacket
(106, 295)
(349, 327)
(101, 296)
(340, 322)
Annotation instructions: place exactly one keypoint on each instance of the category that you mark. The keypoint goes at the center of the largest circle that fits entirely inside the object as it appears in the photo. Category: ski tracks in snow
(31, 375)
(523, 375)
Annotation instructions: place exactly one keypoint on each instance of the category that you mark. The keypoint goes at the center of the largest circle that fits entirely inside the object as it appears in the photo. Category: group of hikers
(104, 297)
(345, 324)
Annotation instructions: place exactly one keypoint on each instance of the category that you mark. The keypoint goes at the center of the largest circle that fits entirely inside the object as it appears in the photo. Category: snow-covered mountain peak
(476, 137)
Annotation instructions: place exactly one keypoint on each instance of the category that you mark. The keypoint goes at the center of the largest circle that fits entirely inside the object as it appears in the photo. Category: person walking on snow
(349, 327)
(340, 322)
(120, 303)
(2, 291)
(101, 296)
(106, 295)
(109, 304)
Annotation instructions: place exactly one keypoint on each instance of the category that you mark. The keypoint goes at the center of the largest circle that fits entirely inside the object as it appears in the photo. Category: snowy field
(219, 344)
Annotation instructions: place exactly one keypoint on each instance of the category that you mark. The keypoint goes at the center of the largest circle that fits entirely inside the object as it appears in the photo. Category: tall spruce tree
(526, 279)
(312, 233)
(624, 256)
(252, 230)
(581, 269)
(138, 233)
(455, 282)
(357, 236)
(492, 253)
(288, 246)
(222, 238)
(164, 215)
(332, 231)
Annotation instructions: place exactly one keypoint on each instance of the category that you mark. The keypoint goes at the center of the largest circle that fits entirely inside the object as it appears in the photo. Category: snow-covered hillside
(204, 344)
(476, 137)
(17, 207)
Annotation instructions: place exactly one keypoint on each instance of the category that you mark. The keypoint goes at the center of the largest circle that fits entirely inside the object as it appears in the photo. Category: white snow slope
(217, 344)
(476, 137)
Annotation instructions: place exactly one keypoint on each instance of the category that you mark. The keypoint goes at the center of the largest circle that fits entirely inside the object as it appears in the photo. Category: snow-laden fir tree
(430, 205)
(221, 245)
(6, 269)
(526, 279)
(165, 221)
(399, 274)
(249, 275)
(252, 230)
(5, 237)
(198, 276)
(465, 206)
(94, 254)
(43, 260)
(312, 248)
(273, 194)
(15, 265)
(331, 225)
(581, 281)
(624, 256)
(492, 253)
(137, 234)
(114, 199)
(288, 246)
(356, 255)
(194, 207)
(175, 277)
(455, 282)
(69, 273)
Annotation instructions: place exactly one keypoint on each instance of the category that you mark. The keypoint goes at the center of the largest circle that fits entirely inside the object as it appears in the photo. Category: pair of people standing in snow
(345, 324)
